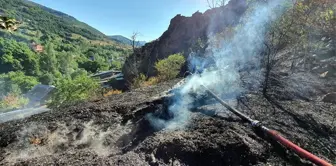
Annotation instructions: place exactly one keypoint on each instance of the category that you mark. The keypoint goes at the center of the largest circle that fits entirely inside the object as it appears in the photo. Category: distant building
(37, 47)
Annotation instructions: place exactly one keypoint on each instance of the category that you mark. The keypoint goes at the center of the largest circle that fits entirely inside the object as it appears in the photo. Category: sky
(123, 17)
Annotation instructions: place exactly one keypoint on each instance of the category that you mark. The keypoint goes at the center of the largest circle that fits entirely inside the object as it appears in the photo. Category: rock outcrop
(182, 34)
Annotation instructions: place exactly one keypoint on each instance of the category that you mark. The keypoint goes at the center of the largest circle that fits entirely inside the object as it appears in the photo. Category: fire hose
(272, 133)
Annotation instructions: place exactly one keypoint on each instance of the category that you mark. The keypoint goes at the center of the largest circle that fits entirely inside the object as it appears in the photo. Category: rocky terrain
(115, 131)
(182, 35)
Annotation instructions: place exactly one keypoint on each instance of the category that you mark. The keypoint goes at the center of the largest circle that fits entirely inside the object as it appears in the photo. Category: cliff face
(182, 34)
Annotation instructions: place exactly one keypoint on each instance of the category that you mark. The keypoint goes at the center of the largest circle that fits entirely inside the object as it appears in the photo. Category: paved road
(22, 113)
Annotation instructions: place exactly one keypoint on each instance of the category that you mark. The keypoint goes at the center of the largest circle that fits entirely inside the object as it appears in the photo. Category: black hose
(233, 110)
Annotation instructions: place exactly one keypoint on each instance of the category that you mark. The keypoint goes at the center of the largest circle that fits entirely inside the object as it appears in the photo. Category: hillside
(40, 24)
(47, 20)
(51, 48)
(125, 40)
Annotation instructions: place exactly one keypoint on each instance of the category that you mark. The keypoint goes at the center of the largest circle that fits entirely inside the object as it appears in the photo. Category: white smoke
(240, 52)
(65, 138)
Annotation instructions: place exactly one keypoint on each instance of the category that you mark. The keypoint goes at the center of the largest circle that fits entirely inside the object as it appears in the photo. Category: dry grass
(151, 81)
(13, 101)
(35, 141)
(142, 81)
(112, 92)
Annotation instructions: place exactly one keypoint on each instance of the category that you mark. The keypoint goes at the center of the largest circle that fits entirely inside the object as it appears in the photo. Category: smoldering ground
(205, 140)
(229, 56)
(37, 140)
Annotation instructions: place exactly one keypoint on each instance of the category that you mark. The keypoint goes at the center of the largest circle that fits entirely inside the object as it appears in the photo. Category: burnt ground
(114, 131)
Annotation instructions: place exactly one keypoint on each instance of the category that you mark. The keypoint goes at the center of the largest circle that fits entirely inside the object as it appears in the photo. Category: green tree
(16, 82)
(25, 83)
(116, 65)
(7, 86)
(48, 61)
(16, 56)
(38, 34)
(90, 66)
(47, 79)
(71, 90)
(170, 67)
(78, 72)
(66, 63)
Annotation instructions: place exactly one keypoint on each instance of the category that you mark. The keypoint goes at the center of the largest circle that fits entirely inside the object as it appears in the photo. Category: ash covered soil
(114, 131)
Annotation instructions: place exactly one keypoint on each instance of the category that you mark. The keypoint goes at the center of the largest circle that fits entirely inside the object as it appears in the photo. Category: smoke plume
(237, 53)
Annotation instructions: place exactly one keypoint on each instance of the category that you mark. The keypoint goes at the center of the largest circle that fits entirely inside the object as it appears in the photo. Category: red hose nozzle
(301, 152)
(298, 150)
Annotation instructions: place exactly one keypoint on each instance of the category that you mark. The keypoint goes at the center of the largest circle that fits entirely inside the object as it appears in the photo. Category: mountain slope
(125, 40)
(47, 20)
(60, 45)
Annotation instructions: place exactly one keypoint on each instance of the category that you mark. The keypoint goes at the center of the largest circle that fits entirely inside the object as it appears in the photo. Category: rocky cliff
(183, 33)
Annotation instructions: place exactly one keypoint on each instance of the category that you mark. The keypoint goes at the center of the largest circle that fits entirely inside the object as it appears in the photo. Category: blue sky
(122, 17)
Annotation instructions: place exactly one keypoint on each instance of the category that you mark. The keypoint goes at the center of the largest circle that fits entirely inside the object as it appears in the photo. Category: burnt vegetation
(299, 42)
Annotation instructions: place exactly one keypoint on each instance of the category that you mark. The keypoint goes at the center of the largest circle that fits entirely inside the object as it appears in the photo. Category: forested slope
(52, 48)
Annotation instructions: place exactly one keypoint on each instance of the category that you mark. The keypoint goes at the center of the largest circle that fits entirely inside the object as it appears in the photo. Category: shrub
(78, 72)
(25, 82)
(90, 66)
(13, 101)
(71, 90)
(116, 65)
(167, 69)
(47, 79)
(170, 67)
(138, 81)
(143, 81)
(151, 81)
(16, 82)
